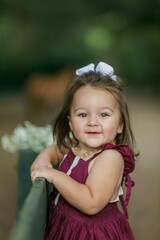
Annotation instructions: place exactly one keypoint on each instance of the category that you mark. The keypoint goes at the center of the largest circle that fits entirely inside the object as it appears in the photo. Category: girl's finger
(33, 176)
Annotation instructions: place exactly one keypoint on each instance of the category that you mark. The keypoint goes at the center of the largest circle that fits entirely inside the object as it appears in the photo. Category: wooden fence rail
(31, 219)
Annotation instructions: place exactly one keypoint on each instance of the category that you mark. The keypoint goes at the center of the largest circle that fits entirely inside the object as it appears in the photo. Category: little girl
(93, 133)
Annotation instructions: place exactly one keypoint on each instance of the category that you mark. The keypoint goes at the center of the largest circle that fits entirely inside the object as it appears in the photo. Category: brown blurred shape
(44, 92)
(48, 88)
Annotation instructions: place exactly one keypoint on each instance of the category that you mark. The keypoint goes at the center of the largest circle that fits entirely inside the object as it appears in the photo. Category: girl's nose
(92, 121)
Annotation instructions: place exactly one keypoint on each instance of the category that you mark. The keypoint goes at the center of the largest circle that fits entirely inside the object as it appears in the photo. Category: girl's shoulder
(127, 154)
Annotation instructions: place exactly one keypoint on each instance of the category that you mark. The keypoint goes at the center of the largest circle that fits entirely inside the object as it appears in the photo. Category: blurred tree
(45, 36)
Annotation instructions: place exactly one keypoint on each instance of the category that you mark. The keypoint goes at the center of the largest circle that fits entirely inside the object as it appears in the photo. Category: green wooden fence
(31, 219)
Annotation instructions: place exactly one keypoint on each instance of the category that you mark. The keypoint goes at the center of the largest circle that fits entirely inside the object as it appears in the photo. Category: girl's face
(94, 117)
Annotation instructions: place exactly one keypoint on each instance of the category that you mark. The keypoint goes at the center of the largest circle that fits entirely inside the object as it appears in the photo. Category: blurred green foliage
(48, 35)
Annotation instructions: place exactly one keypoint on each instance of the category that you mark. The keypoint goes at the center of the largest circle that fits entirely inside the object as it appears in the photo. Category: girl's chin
(95, 145)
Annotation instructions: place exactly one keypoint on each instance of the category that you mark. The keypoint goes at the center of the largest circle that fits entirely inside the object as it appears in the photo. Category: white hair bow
(102, 68)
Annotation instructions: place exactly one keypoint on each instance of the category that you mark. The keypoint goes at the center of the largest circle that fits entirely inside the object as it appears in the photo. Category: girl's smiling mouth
(93, 133)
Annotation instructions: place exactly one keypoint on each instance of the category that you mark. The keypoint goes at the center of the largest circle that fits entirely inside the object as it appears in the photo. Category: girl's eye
(82, 115)
(104, 115)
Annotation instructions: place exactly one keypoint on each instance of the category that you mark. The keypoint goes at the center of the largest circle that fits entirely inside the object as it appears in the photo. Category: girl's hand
(41, 161)
(44, 172)
(49, 157)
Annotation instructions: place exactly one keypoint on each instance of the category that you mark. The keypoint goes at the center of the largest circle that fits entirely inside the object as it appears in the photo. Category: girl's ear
(120, 128)
(69, 122)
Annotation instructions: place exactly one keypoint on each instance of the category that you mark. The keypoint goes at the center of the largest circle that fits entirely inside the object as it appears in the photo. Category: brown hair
(61, 129)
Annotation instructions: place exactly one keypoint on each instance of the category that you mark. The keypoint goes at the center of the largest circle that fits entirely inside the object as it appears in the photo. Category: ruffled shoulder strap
(129, 166)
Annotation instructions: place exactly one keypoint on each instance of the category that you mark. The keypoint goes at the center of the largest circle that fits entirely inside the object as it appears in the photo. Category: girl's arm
(101, 186)
(49, 157)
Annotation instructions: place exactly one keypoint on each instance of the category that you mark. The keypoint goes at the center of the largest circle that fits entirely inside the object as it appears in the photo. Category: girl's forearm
(78, 195)
(47, 158)
(49, 154)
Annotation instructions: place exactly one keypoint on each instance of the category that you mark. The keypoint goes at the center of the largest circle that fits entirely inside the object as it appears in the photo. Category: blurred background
(41, 45)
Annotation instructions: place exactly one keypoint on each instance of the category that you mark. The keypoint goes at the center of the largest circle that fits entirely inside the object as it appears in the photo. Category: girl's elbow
(94, 209)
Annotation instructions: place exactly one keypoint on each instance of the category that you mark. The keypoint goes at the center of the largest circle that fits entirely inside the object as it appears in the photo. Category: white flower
(28, 137)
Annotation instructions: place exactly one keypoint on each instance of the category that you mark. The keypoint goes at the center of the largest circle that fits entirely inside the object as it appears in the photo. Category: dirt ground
(144, 206)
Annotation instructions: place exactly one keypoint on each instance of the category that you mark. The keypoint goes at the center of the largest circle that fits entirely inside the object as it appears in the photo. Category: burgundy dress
(67, 223)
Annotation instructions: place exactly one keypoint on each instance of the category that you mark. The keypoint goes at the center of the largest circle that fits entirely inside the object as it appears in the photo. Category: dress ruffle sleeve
(129, 166)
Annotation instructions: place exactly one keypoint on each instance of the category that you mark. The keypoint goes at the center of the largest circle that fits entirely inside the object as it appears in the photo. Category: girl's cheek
(110, 129)
(77, 126)
(77, 131)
